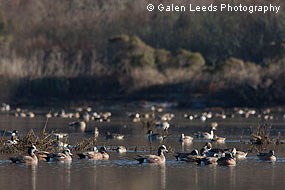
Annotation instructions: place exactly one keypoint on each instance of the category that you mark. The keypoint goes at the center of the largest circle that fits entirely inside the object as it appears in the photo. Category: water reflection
(33, 176)
(123, 172)
(67, 173)
(162, 168)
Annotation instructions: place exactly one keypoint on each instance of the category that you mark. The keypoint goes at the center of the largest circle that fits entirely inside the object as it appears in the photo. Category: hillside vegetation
(116, 50)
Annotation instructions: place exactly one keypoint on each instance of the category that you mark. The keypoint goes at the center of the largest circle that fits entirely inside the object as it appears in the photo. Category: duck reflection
(162, 176)
(33, 169)
(67, 173)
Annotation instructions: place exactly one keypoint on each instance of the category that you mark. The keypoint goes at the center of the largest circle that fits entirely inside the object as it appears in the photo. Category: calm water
(123, 172)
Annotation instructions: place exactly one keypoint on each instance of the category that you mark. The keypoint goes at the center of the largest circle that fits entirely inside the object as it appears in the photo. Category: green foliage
(162, 57)
(131, 51)
(188, 59)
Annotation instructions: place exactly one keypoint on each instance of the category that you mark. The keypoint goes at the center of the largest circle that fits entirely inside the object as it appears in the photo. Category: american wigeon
(154, 159)
(185, 139)
(42, 155)
(267, 156)
(30, 159)
(95, 155)
(14, 139)
(63, 156)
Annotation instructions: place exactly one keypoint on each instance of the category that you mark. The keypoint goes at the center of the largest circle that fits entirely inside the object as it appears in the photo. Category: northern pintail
(154, 159)
(154, 136)
(185, 139)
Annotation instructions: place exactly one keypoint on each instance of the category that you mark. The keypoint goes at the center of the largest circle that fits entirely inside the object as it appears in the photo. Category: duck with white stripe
(30, 159)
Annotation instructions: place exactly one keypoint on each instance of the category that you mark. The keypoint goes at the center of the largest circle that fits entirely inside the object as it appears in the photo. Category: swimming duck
(218, 139)
(63, 156)
(205, 135)
(180, 156)
(239, 154)
(30, 159)
(42, 155)
(95, 155)
(227, 160)
(121, 149)
(154, 136)
(192, 157)
(114, 136)
(185, 139)
(208, 161)
(154, 159)
(267, 156)
(81, 125)
(164, 125)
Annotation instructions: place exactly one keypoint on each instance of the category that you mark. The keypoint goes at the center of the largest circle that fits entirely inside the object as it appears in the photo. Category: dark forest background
(116, 50)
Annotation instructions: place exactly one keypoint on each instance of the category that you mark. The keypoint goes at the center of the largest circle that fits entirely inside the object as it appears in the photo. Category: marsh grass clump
(42, 142)
(261, 136)
(85, 145)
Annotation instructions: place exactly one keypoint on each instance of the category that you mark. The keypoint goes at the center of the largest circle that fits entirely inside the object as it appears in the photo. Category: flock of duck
(207, 154)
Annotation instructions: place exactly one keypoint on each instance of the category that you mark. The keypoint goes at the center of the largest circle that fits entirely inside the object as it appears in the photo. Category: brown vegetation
(90, 49)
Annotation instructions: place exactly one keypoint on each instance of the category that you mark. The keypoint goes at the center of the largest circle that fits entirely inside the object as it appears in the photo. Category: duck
(114, 136)
(192, 157)
(218, 139)
(154, 136)
(185, 139)
(154, 159)
(208, 161)
(8, 133)
(96, 132)
(267, 156)
(227, 160)
(208, 151)
(14, 139)
(240, 154)
(121, 149)
(59, 136)
(81, 125)
(42, 155)
(205, 135)
(64, 156)
(163, 125)
(31, 158)
(95, 154)
(180, 156)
